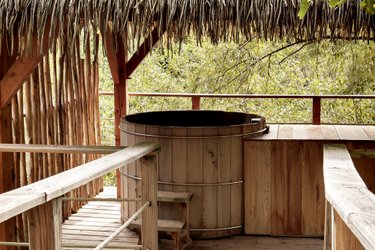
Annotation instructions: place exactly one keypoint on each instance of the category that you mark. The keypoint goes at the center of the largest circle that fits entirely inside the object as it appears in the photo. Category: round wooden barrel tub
(201, 152)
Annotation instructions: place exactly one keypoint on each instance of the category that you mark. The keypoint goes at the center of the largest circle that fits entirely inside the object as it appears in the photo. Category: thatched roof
(221, 20)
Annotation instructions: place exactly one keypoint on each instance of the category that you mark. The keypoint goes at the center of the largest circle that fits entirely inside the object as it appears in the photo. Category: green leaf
(304, 7)
(335, 3)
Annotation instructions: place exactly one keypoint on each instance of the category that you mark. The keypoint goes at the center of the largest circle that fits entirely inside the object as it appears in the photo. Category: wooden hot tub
(202, 153)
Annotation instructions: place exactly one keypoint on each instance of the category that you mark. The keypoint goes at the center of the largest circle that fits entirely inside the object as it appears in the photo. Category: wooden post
(328, 226)
(196, 103)
(316, 110)
(45, 226)
(149, 193)
(117, 63)
(8, 228)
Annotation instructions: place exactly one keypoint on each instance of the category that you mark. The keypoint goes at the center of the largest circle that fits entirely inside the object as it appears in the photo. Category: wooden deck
(321, 132)
(96, 220)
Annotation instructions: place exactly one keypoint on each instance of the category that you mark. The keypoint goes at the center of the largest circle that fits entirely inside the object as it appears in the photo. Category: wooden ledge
(319, 132)
(348, 194)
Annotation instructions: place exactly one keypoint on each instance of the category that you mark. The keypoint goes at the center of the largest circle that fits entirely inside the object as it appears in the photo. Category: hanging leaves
(304, 7)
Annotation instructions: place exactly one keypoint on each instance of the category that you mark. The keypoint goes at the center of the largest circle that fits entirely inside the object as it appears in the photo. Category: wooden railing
(196, 99)
(42, 200)
(350, 206)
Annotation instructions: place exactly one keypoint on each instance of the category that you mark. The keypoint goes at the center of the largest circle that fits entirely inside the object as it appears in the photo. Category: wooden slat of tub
(179, 161)
(165, 169)
(257, 187)
(195, 175)
(370, 131)
(312, 189)
(286, 188)
(236, 174)
(224, 193)
(125, 181)
(135, 186)
(210, 175)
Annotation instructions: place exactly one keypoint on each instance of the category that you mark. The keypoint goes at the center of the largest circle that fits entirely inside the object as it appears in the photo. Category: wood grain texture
(195, 174)
(165, 169)
(344, 238)
(95, 221)
(286, 187)
(149, 190)
(350, 199)
(370, 131)
(257, 189)
(180, 159)
(210, 175)
(237, 175)
(45, 226)
(312, 189)
(224, 175)
(57, 185)
(284, 193)
(351, 132)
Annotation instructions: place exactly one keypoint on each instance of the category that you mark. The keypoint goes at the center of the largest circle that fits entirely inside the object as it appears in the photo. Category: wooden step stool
(176, 228)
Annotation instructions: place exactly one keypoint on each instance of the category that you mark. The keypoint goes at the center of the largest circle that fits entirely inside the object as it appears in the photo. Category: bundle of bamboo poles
(58, 105)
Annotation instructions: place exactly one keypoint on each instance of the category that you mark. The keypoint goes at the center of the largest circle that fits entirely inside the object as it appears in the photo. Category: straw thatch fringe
(221, 20)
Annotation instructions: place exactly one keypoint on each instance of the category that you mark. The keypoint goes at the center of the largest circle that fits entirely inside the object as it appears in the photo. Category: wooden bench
(176, 228)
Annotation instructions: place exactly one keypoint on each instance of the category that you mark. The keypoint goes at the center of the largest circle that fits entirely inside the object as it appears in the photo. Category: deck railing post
(149, 193)
(316, 110)
(195, 102)
(328, 226)
(45, 226)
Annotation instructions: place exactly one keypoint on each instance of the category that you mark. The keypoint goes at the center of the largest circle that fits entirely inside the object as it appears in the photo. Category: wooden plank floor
(96, 220)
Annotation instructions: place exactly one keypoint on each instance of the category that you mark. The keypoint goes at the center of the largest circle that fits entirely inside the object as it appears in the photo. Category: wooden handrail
(58, 149)
(196, 99)
(350, 204)
(22, 199)
(269, 96)
(41, 199)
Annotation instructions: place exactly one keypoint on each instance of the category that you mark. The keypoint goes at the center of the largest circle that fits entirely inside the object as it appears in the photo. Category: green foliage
(335, 3)
(304, 7)
(316, 69)
(367, 5)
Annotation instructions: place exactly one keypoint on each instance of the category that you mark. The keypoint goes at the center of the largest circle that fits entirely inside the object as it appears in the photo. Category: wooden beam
(117, 64)
(112, 57)
(16, 75)
(143, 50)
(22, 67)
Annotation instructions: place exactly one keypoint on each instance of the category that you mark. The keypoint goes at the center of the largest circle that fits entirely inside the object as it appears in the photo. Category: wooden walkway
(96, 220)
